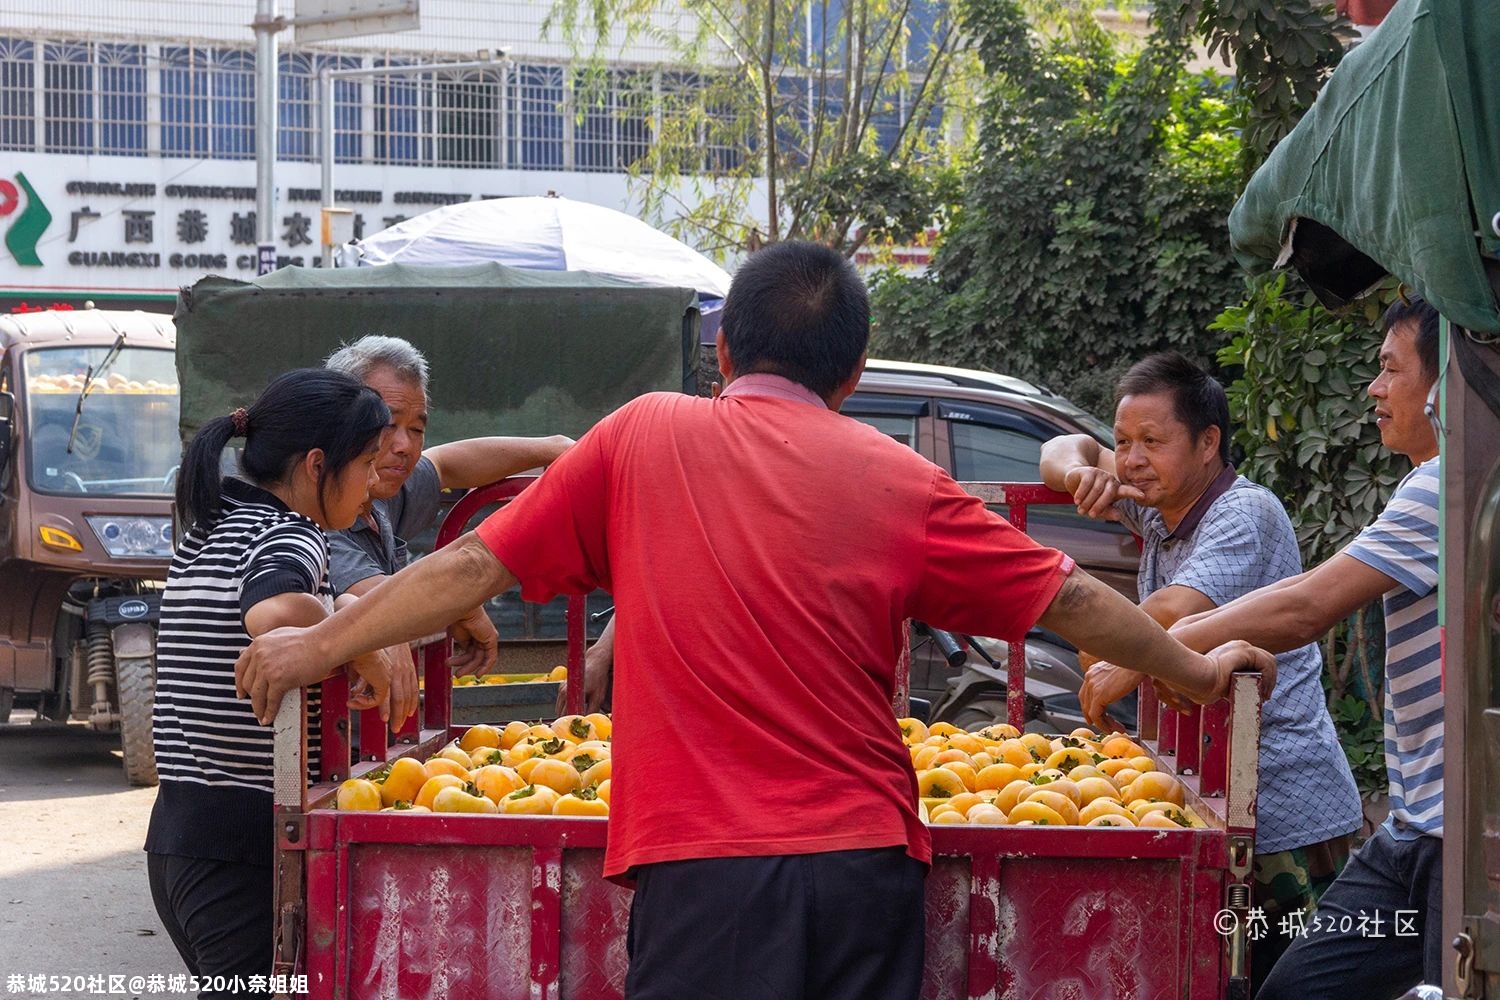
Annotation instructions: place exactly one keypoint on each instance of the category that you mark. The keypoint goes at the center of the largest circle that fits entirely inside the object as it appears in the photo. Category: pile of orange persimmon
(993, 776)
(525, 770)
(997, 776)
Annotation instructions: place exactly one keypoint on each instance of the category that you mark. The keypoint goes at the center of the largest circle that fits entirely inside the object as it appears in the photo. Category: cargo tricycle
(417, 905)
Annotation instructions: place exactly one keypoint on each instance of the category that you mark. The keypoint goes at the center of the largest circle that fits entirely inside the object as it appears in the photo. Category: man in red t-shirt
(763, 552)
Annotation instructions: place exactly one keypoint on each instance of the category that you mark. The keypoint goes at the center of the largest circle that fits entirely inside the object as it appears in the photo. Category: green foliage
(1091, 230)
(1363, 737)
(1303, 422)
(1282, 53)
(757, 135)
(1301, 413)
(892, 201)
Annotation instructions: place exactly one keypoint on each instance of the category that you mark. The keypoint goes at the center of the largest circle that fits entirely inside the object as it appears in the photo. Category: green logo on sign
(22, 236)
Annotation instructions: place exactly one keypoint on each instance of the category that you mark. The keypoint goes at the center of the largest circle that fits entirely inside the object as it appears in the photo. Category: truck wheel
(135, 679)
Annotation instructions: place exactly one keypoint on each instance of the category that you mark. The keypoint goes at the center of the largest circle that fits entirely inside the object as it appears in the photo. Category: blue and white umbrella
(552, 234)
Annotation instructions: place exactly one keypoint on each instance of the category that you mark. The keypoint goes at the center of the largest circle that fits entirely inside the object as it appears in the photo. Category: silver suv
(984, 427)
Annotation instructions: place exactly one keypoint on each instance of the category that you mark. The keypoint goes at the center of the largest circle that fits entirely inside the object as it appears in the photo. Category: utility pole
(267, 24)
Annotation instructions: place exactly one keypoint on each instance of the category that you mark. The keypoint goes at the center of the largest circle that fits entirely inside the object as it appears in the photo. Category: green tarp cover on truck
(1396, 168)
(510, 351)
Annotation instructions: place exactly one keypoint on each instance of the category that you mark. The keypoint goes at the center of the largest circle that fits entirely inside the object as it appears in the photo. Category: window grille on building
(197, 101)
(17, 94)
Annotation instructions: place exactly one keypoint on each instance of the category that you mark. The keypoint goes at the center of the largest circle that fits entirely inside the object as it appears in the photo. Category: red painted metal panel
(595, 914)
(948, 919)
(455, 830)
(430, 922)
(1190, 741)
(374, 736)
(985, 906)
(1148, 711)
(1024, 494)
(1015, 686)
(1081, 929)
(1207, 965)
(325, 930)
(437, 685)
(1215, 772)
(1186, 890)
(335, 727)
(1166, 731)
(500, 907)
(546, 921)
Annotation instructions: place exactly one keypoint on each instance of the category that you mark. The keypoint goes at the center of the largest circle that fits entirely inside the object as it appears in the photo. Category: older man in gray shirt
(407, 499)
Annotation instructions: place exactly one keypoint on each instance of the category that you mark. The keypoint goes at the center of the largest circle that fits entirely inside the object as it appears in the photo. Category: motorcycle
(976, 696)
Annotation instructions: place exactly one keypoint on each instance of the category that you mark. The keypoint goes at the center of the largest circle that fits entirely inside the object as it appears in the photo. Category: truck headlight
(125, 537)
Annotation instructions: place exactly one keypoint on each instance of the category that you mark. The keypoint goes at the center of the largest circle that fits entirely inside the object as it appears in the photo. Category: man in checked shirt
(1210, 536)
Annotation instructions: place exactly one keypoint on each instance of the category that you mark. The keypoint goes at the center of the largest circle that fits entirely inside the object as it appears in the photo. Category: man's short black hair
(1413, 309)
(798, 310)
(1198, 400)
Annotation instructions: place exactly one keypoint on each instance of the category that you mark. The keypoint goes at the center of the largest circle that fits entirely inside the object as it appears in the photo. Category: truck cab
(89, 451)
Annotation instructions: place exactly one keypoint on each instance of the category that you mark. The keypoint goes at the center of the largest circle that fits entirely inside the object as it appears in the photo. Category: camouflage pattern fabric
(1284, 882)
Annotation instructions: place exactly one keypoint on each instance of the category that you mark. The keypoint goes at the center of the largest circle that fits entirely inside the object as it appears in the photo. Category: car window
(896, 416)
(986, 454)
(902, 428)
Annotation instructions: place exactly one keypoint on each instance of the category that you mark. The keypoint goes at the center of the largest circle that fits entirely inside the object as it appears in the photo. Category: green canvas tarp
(510, 351)
(1396, 168)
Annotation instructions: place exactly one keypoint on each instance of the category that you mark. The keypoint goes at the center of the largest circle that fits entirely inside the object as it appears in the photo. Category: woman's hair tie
(241, 420)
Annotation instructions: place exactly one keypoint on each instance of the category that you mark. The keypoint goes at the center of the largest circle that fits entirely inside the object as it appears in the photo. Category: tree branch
(768, 84)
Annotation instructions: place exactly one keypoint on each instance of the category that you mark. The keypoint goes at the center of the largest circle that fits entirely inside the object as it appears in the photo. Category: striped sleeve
(290, 558)
(1402, 542)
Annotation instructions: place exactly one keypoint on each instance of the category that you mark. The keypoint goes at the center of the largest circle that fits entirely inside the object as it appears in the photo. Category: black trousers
(843, 925)
(219, 915)
(1378, 929)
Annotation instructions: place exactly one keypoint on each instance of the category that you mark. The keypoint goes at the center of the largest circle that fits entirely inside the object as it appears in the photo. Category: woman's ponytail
(199, 481)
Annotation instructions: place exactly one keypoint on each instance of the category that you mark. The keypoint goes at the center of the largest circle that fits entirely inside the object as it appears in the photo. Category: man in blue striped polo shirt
(1378, 929)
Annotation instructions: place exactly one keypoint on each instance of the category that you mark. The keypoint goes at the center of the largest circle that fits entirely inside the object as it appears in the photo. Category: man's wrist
(1205, 677)
(322, 652)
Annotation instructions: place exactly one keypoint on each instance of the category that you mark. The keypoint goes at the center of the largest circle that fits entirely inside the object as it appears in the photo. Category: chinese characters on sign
(145, 226)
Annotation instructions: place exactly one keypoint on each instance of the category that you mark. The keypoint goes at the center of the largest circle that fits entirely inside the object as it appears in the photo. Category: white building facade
(127, 135)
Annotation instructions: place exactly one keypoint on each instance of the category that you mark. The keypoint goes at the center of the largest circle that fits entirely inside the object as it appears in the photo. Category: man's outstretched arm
(423, 598)
(476, 462)
(1094, 617)
(1291, 612)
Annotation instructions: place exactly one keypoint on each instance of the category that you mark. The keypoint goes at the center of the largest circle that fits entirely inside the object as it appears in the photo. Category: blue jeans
(1377, 931)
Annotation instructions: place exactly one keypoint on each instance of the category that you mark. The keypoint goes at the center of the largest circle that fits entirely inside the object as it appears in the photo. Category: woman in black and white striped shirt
(253, 558)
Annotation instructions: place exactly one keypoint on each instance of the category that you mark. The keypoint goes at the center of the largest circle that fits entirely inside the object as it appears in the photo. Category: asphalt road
(73, 894)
